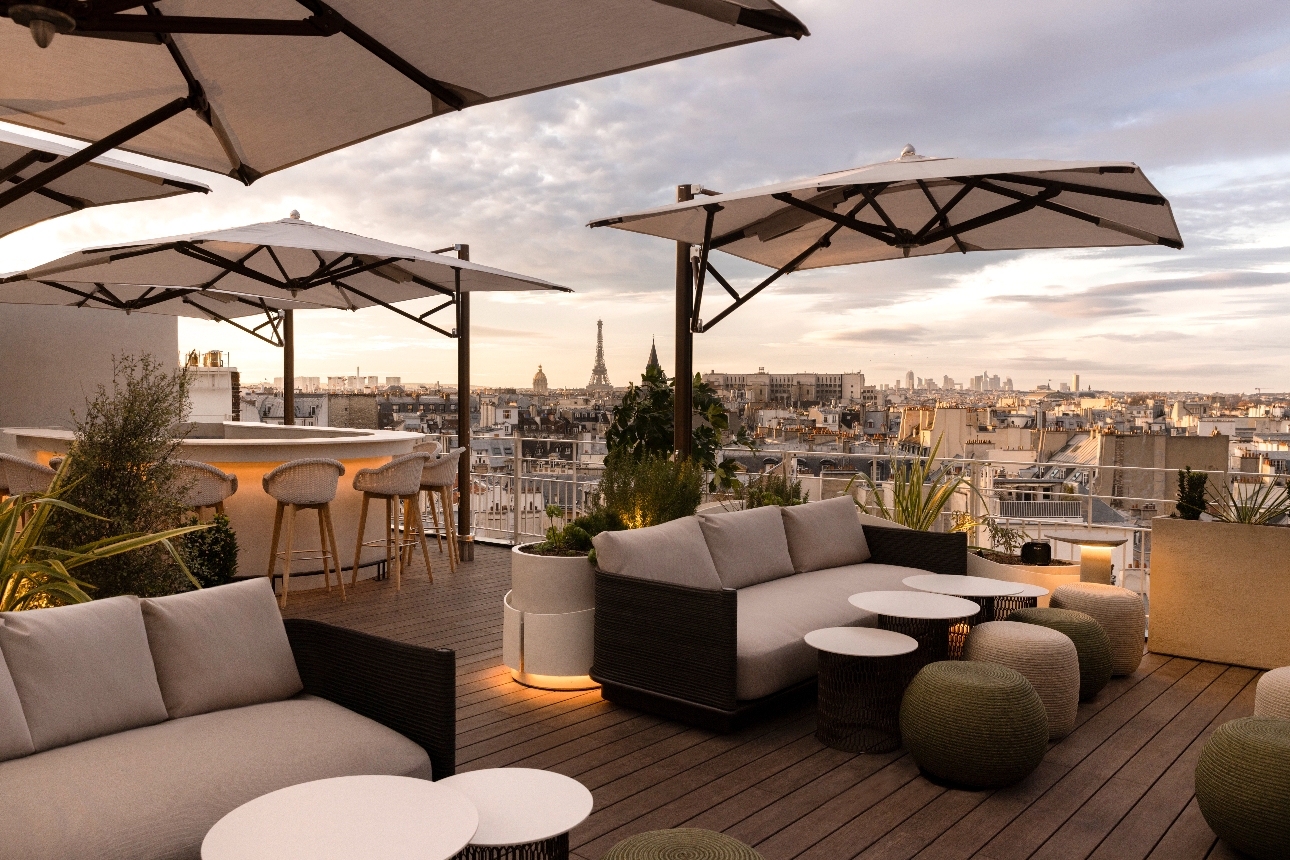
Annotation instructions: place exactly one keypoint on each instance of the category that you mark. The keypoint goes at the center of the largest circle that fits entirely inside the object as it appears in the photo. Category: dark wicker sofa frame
(408, 688)
(670, 649)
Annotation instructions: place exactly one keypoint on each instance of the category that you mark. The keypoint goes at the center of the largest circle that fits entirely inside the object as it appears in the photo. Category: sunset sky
(1196, 93)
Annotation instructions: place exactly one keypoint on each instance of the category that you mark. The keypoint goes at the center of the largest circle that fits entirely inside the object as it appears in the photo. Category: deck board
(1119, 786)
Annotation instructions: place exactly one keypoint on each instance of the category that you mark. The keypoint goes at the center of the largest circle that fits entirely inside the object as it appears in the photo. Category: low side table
(861, 682)
(524, 814)
(981, 590)
(372, 817)
(926, 617)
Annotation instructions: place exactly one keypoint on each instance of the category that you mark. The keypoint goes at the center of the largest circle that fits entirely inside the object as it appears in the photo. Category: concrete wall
(52, 359)
(1166, 454)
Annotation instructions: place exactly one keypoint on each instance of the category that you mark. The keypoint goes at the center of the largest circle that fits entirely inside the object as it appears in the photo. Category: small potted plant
(1003, 559)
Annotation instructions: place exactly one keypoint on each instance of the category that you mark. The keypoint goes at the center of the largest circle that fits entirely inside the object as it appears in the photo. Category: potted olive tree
(1220, 574)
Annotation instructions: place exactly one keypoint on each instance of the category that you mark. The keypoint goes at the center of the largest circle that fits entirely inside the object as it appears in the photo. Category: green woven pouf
(681, 843)
(974, 725)
(1243, 785)
(1091, 643)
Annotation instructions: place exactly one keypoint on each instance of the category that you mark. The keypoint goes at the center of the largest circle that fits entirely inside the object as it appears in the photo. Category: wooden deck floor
(1119, 787)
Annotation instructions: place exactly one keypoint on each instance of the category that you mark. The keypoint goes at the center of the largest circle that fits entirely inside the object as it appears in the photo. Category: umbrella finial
(908, 151)
(43, 21)
(295, 213)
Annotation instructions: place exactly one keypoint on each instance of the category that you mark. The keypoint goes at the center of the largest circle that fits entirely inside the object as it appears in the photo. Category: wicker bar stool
(207, 486)
(398, 481)
(438, 478)
(302, 485)
(19, 476)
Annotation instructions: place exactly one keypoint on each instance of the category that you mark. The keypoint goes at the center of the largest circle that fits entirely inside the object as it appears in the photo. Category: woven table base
(681, 843)
(1005, 606)
(555, 848)
(859, 702)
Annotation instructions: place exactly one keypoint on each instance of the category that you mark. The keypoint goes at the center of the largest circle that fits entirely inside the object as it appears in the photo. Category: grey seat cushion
(673, 552)
(81, 671)
(153, 792)
(219, 648)
(747, 547)
(822, 535)
(774, 616)
(15, 740)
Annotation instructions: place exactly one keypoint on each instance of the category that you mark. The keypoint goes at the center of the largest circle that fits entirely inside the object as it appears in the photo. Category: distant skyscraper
(1075, 382)
(909, 379)
(599, 373)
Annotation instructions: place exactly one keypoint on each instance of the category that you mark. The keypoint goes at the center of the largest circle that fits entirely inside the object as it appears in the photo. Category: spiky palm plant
(920, 491)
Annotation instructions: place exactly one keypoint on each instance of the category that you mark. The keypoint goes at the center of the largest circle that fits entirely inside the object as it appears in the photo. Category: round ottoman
(1272, 694)
(1243, 785)
(681, 843)
(1044, 657)
(974, 725)
(1120, 613)
(1091, 644)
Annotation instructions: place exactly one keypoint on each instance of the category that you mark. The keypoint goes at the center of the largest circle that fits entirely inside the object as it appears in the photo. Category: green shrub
(119, 469)
(211, 554)
(1191, 493)
(635, 493)
(771, 489)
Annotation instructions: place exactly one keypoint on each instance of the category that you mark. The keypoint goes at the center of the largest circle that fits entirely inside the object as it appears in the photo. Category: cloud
(1121, 299)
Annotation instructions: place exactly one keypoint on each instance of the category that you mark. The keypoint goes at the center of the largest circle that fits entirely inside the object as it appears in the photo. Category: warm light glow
(554, 682)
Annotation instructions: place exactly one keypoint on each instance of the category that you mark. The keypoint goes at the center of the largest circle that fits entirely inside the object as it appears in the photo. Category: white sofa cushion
(81, 671)
(825, 534)
(771, 653)
(221, 647)
(154, 792)
(15, 740)
(673, 552)
(747, 547)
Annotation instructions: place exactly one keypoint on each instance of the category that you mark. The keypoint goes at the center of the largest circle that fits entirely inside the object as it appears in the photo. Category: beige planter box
(1220, 592)
(1045, 576)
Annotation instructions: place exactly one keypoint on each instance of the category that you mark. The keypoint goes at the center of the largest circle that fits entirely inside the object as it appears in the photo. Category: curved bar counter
(249, 451)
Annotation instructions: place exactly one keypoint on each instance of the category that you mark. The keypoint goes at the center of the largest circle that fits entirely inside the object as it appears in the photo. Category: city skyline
(519, 180)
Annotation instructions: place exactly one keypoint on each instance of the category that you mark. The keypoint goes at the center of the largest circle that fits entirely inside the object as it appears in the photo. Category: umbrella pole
(683, 414)
(288, 369)
(465, 547)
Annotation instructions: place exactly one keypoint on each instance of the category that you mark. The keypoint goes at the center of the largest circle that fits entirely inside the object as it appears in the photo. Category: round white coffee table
(861, 682)
(523, 813)
(1027, 598)
(372, 817)
(924, 616)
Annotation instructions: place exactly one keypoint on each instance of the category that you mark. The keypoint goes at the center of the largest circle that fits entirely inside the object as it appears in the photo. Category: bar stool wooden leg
(358, 542)
(392, 557)
(322, 545)
(331, 542)
(219, 508)
(286, 559)
(273, 549)
(434, 517)
(450, 528)
(411, 501)
(406, 541)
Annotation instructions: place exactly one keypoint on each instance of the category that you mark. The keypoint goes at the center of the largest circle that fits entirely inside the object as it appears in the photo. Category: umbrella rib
(355, 269)
(848, 192)
(431, 285)
(968, 185)
(940, 214)
(274, 257)
(67, 200)
(1096, 220)
(873, 231)
(390, 307)
(22, 162)
(221, 318)
(201, 106)
(1074, 188)
(85, 297)
(1023, 205)
(223, 274)
(378, 49)
(722, 281)
(200, 254)
(713, 209)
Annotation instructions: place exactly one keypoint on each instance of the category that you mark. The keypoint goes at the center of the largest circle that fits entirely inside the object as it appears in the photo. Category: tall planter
(1220, 592)
(548, 632)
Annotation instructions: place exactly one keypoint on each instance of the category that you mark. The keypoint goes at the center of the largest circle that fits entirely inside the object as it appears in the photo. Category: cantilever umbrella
(245, 89)
(99, 182)
(911, 206)
(293, 261)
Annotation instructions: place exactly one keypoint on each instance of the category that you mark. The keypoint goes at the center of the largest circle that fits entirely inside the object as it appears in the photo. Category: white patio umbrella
(99, 182)
(245, 88)
(293, 260)
(911, 206)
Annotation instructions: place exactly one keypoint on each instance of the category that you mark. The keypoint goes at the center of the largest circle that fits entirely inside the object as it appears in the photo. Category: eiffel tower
(599, 374)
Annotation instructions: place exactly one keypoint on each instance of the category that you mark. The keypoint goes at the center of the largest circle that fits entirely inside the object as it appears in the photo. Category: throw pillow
(15, 740)
(673, 552)
(747, 547)
(825, 534)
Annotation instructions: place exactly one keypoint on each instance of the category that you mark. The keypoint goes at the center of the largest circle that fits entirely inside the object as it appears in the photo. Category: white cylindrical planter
(549, 625)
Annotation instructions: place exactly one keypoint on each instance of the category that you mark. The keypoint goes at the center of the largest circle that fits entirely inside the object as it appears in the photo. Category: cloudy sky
(1195, 92)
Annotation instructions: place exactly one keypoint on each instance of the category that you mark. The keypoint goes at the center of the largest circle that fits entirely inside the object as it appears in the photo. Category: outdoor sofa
(129, 727)
(702, 619)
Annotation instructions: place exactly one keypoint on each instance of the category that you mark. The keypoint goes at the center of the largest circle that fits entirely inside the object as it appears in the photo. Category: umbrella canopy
(100, 182)
(915, 205)
(911, 206)
(284, 261)
(247, 88)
